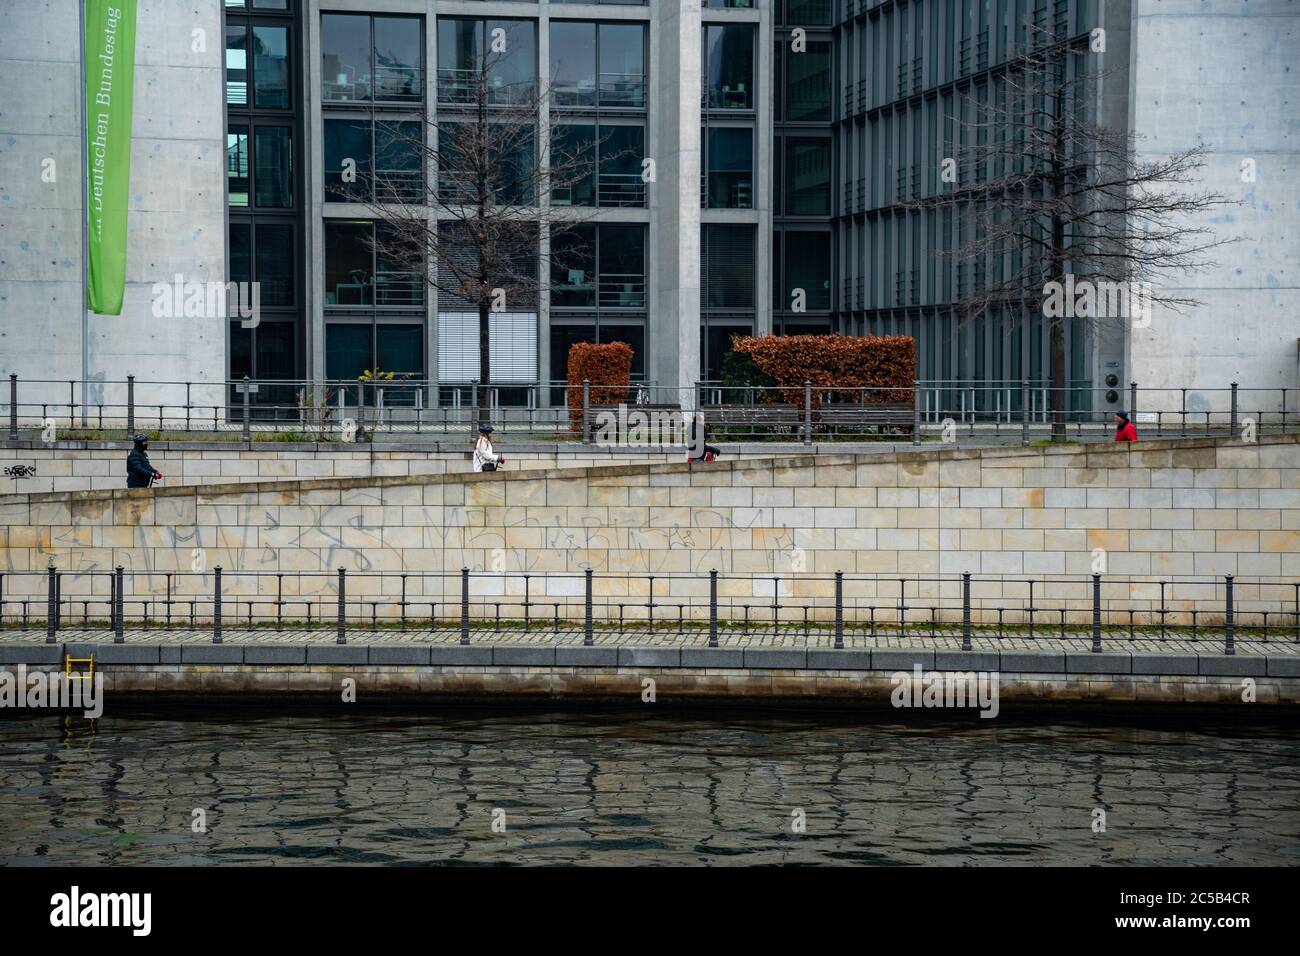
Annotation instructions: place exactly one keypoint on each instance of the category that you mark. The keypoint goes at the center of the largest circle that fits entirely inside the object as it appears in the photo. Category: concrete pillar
(676, 77)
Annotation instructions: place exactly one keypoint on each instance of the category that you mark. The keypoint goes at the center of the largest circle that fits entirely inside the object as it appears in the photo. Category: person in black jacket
(698, 438)
(139, 473)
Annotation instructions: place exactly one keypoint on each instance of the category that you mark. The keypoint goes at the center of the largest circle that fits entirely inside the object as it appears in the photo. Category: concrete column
(674, 339)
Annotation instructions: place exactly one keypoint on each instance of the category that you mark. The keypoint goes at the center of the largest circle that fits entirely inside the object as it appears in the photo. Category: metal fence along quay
(835, 610)
(647, 414)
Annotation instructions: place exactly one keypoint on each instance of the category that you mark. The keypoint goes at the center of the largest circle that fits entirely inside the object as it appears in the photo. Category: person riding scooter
(139, 472)
(485, 459)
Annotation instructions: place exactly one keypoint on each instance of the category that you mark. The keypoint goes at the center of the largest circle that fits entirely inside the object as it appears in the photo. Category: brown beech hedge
(607, 366)
(884, 363)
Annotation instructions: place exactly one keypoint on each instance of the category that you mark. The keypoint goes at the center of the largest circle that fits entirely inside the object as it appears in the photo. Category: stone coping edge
(805, 458)
(1068, 663)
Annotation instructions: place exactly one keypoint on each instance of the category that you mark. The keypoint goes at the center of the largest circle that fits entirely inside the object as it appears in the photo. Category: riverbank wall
(1252, 681)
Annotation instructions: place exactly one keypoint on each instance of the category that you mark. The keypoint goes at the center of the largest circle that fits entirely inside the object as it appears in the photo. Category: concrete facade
(176, 209)
(1222, 74)
(1188, 72)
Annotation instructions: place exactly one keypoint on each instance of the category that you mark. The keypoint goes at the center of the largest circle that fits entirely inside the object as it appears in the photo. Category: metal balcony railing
(461, 87)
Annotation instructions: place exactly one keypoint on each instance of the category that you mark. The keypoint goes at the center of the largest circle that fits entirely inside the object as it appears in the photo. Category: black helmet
(485, 428)
(140, 439)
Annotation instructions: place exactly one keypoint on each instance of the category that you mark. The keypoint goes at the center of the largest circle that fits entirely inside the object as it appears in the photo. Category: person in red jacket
(1124, 430)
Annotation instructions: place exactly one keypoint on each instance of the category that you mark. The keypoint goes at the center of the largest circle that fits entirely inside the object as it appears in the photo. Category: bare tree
(1046, 202)
(468, 219)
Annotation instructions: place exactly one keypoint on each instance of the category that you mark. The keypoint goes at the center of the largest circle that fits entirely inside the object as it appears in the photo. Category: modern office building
(787, 138)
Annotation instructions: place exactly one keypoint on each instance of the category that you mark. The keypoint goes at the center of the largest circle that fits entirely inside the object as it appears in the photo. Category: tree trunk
(484, 360)
(1059, 385)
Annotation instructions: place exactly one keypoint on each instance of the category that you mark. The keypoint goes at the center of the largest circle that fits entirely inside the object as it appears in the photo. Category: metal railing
(839, 609)
(985, 411)
(460, 88)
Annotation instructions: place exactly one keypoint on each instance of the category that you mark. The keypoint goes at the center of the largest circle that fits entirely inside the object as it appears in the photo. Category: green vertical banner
(110, 71)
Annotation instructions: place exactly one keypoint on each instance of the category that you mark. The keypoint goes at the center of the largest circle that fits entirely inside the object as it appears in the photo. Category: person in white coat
(485, 459)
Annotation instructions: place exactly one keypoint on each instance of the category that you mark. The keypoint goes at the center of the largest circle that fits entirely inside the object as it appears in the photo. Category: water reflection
(614, 788)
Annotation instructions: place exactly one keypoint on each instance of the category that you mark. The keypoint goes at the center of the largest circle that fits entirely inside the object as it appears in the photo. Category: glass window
(273, 172)
(512, 45)
(345, 56)
(718, 347)
(347, 160)
(728, 266)
(397, 274)
(275, 263)
(563, 338)
(622, 64)
(237, 165)
(621, 266)
(237, 65)
(808, 177)
(459, 44)
(808, 83)
(271, 67)
(808, 267)
(573, 152)
(241, 263)
(622, 149)
(348, 277)
(573, 60)
(398, 59)
(275, 350)
(347, 351)
(572, 262)
(241, 351)
(400, 348)
(729, 52)
(730, 168)
(399, 155)
(634, 337)
(809, 12)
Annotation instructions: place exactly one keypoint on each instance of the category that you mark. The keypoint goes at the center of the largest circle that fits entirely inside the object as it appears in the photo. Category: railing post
(807, 412)
(130, 405)
(1096, 613)
(342, 637)
(1024, 412)
(586, 624)
(965, 610)
(1228, 624)
(13, 406)
(118, 600)
(586, 410)
(247, 431)
(713, 608)
(216, 605)
(1234, 408)
(839, 610)
(1133, 401)
(51, 606)
(464, 605)
(916, 412)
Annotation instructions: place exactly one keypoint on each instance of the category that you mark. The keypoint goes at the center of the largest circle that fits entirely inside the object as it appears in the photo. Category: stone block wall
(1182, 512)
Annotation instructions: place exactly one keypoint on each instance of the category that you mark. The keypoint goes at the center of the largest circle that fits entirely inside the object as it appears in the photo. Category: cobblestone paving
(668, 636)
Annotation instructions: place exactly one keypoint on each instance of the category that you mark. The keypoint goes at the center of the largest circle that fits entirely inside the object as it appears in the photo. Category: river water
(609, 787)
